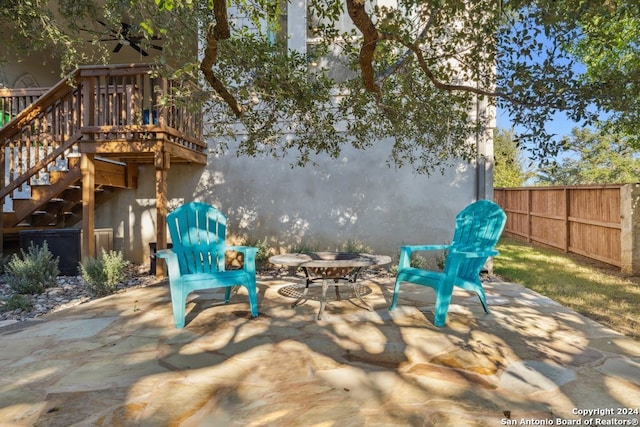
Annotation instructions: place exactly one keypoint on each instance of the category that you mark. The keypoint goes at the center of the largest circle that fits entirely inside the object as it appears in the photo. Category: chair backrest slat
(478, 228)
(197, 232)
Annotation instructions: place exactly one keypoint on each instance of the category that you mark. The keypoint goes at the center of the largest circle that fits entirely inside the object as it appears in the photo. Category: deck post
(87, 168)
(161, 165)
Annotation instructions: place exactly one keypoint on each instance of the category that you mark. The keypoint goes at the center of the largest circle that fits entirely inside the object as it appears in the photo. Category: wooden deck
(68, 133)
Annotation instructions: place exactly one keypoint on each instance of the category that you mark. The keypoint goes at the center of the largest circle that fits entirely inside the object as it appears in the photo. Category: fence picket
(585, 220)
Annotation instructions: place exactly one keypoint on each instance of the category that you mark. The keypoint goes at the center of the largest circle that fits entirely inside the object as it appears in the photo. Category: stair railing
(92, 101)
(35, 138)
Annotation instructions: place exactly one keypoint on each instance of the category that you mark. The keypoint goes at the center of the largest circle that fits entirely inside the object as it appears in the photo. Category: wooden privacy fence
(600, 222)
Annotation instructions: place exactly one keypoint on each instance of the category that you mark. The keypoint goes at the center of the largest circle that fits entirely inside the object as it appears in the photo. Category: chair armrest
(406, 251)
(242, 249)
(416, 248)
(171, 258)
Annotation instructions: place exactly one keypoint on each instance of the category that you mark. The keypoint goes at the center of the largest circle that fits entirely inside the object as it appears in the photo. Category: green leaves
(573, 56)
(169, 5)
(510, 169)
(593, 158)
(433, 60)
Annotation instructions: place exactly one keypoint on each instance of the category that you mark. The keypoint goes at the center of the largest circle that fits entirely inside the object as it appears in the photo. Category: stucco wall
(29, 72)
(357, 197)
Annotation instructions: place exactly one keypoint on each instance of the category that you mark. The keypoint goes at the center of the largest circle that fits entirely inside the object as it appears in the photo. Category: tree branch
(447, 86)
(405, 56)
(424, 66)
(219, 31)
(371, 37)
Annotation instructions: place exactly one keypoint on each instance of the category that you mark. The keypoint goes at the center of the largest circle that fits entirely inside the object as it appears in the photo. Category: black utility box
(152, 256)
(66, 244)
(62, 243)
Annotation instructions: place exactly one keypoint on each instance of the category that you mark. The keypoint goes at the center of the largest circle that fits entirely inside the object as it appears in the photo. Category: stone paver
(120, 361)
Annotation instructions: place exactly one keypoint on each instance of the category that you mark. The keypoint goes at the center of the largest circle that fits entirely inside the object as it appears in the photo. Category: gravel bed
(69, 291)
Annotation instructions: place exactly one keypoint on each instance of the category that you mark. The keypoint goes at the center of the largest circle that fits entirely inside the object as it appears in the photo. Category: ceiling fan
(125, 37)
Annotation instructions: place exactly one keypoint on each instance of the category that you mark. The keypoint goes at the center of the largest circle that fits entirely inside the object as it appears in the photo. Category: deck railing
(13, 101)
(44, 126)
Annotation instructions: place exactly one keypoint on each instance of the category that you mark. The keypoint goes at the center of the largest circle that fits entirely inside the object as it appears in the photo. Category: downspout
(479, 181)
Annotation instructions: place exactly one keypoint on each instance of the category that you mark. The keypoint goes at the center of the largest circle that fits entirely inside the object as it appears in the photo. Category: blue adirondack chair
(478, 228)
(197, 259)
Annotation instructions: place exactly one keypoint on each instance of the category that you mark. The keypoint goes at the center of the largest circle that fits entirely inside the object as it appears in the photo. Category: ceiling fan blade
(136, 47)
(124, 36)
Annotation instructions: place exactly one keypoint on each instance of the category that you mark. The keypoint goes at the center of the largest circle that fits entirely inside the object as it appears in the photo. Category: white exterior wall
(357, 197)
(297, 25)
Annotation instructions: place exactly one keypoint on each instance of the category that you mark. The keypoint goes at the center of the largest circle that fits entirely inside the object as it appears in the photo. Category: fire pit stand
(339, 267)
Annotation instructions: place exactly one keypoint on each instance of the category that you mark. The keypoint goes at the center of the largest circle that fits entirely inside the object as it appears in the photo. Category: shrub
(442, 259)
(304, 247)
(15, 302)
(355, 246)
(102, 274)
(35, 271)
(262, 256)
(419, 261)
(416, 261)
(4, 262)
(235, 260)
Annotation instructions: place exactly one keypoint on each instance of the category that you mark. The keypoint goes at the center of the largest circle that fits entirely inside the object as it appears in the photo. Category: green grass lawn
(593, 289)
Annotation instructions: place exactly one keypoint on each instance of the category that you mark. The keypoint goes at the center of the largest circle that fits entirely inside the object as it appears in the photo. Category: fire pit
(339, 267)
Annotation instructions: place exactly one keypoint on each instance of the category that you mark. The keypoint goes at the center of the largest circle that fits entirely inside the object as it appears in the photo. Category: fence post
(567, 225)
(529, 203)
(630, 233)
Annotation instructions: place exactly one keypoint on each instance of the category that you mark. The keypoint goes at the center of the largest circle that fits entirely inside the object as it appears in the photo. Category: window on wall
(332, 60)
(25, 81)
(277, 21)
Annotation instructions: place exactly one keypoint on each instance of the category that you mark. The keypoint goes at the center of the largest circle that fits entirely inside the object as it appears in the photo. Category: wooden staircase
(58, 202)
(91, 129)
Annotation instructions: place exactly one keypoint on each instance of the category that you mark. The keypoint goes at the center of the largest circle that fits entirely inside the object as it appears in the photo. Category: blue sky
(560, 125)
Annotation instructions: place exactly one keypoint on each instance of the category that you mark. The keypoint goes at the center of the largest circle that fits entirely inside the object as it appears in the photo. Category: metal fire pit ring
(325, 267)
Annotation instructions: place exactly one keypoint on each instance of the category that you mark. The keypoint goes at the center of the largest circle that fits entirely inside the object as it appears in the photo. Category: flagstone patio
(120, 361)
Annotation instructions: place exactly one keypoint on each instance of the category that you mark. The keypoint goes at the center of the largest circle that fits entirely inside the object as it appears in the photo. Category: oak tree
(413, 73)
(510, 167)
